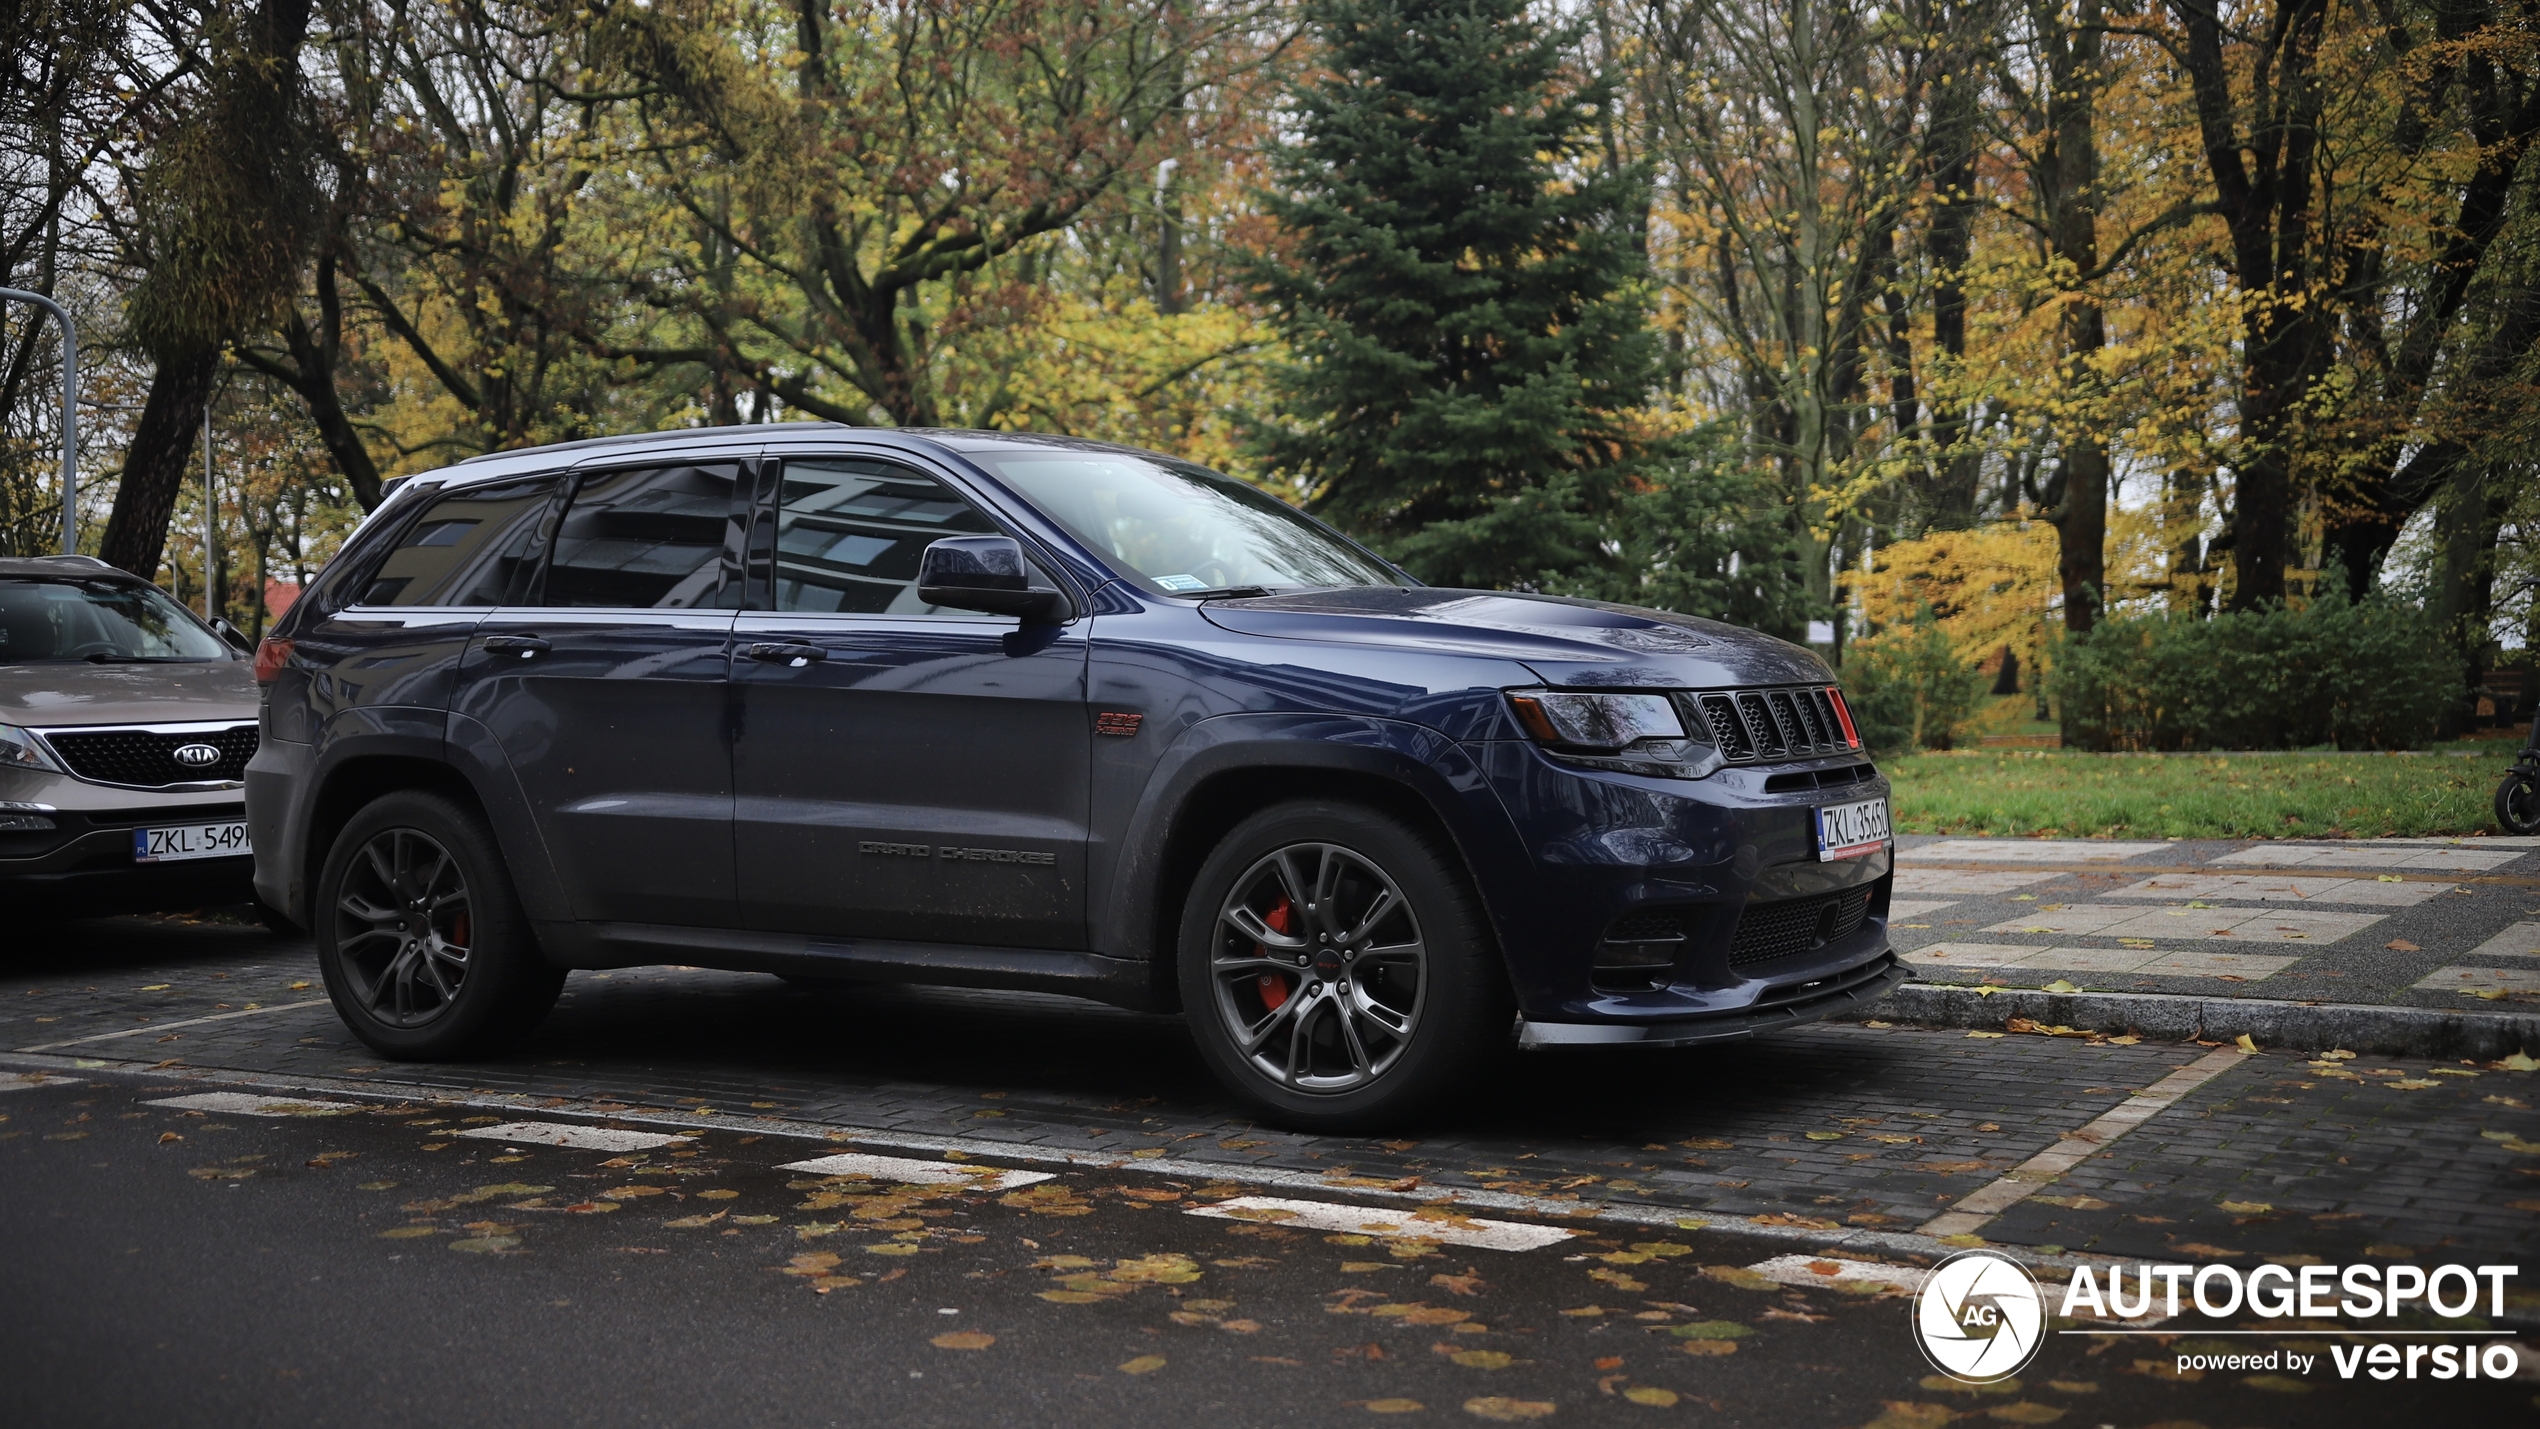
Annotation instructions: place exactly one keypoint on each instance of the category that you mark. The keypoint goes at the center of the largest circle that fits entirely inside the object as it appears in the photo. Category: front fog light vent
(24, 823)
(1638, 952)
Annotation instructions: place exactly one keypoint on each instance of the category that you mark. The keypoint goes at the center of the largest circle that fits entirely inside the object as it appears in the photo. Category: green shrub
(2369, 674)
(1907, 687)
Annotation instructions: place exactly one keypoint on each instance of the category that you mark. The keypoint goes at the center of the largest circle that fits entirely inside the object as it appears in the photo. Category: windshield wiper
(1226, 592)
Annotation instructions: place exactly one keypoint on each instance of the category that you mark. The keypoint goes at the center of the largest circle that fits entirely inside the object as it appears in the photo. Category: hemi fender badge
(1120, 722)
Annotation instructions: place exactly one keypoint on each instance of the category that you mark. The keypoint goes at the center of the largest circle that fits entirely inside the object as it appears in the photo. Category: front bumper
(1711, 868)
(1783, 1008)
(84, 865)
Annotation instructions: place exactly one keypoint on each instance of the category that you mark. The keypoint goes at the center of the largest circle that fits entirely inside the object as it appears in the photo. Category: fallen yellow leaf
(1143, 1364)
(967, 1340)
(1508, 1411)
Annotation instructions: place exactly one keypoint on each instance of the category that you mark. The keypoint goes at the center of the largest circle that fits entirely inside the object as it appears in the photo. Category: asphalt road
(376, 1267)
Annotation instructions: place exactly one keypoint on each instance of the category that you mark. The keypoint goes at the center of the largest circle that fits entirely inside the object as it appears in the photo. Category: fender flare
(1422, 762)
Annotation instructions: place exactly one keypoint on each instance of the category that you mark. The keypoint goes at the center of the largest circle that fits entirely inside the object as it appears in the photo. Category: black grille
(1837, 777)
(1789, 723)
(1779, 930)
(146, 759)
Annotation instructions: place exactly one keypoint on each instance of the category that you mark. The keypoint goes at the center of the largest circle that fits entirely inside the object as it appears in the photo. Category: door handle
(786, 653)
(527, 647)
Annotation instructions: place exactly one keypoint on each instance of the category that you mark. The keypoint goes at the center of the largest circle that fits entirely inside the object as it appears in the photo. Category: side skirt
(1117, 981)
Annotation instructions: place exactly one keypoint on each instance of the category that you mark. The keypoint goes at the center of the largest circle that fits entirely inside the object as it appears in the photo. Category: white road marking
(2253, 966)
(166, 1026)
(2027, 851)
(1966, 880)
(245, 1104)
(909, 1171)
(2364, 855)
(1918, 907)
(2281, 888)
(2522, 940)
(2460, 979)
(572, 1137)
(2244, 925)
(1806, 1271)
(24, 1080)
(2040, 1171)
(1444, 1226)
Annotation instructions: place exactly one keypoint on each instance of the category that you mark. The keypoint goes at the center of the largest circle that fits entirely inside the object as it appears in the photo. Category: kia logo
(196, 755)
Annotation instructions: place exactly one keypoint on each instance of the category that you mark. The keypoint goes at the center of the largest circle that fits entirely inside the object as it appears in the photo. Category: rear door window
(660, 537)
(849, 531)
(476, 547)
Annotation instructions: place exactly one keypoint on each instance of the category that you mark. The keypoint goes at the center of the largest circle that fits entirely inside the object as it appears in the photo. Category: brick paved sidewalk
(2442, 923)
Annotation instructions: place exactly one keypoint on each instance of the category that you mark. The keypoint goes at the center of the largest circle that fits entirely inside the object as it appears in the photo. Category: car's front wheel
(1336, 969)
(420, 936)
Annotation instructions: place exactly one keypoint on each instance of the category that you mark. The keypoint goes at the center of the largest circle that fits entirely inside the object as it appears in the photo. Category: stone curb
(2296, 1026)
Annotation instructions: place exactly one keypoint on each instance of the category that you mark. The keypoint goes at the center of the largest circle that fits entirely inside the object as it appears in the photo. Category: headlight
(1602, 723)
(18, 750)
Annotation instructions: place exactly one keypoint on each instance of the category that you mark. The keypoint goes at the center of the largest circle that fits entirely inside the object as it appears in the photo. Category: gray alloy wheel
(1336, 968)
(404, 927)
(1318, 968)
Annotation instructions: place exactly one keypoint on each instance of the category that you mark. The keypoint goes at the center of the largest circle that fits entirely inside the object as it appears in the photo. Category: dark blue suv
(1007, 711)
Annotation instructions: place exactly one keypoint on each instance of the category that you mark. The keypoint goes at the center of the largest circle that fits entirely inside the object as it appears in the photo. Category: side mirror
(236, 637)
(982, 573)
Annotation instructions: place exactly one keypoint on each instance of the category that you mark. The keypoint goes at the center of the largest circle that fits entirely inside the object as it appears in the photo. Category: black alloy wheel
(403, 928)
(425, 952)
(1336, 968)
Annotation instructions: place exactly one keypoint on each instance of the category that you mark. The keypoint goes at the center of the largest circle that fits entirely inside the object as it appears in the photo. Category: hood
(48, 695)
(1564, 642)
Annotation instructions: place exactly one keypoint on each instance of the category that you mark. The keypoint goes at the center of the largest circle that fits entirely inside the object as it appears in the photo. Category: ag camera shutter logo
(1980, 1317)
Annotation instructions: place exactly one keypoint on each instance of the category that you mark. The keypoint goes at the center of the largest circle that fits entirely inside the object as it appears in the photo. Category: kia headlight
(19, 751)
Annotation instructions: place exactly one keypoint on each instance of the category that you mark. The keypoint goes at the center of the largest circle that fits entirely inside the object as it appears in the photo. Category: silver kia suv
(126, 724)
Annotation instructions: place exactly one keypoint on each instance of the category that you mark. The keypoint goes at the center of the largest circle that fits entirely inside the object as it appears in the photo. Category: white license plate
(183, 841)
(1851, 830)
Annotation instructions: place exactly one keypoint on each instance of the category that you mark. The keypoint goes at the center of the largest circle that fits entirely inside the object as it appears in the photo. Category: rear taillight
(1843, 716)
(271, 655)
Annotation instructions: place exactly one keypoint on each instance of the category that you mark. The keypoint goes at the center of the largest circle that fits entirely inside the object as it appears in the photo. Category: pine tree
(1462, 292)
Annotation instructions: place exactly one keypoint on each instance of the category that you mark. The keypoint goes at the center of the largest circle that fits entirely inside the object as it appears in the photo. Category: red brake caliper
(1274, 986)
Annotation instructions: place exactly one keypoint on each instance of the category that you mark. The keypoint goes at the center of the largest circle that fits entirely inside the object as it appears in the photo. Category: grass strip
(2203, 796)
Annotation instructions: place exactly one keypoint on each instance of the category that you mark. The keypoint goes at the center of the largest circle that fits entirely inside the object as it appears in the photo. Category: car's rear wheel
(421, 940)
(1336, 969)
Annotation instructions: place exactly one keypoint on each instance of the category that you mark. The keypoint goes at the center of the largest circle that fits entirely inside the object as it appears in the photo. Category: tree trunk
(157, 463)
(2068, 172)
(1955, 117)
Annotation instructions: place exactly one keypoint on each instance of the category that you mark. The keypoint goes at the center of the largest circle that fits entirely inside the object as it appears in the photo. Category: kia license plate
(1851, 830)
(226, 839)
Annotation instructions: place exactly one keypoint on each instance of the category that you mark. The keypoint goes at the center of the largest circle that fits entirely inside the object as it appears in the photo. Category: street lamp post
(70, 413)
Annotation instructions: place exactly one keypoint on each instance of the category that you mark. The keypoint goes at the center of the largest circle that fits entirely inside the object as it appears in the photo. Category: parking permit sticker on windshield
(1181, 582)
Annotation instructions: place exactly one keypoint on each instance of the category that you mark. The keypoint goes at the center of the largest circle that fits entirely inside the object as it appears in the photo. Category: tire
(1328, 1046)
(415, 863)
(2518, 803)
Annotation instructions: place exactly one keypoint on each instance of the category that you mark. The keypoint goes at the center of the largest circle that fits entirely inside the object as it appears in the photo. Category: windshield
(98, 621)
(1186, 530)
